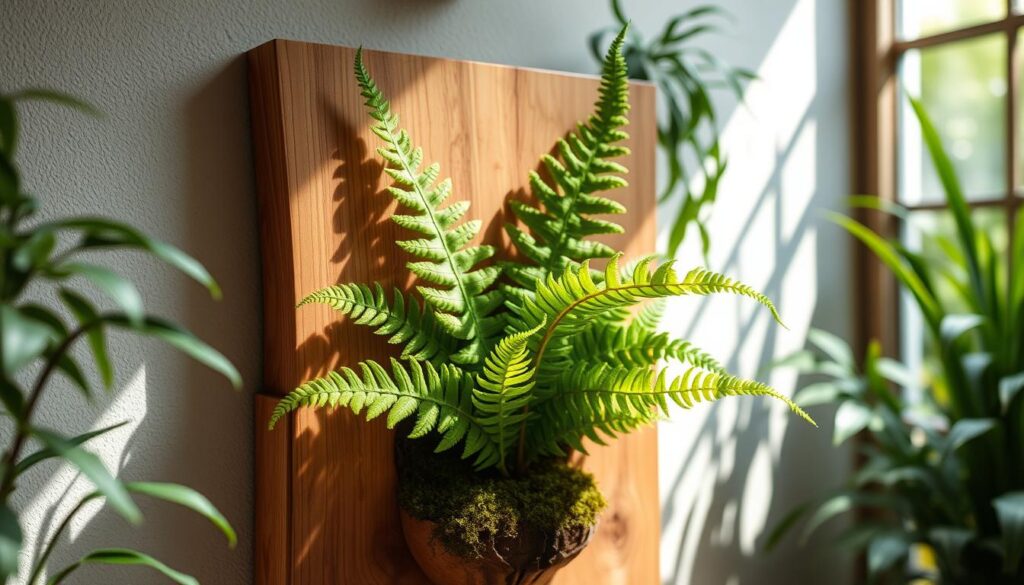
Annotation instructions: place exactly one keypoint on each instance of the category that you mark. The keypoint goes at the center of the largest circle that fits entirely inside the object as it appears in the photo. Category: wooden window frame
(876, 51)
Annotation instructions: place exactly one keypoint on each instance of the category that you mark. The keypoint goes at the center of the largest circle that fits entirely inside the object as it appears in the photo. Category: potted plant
(516, 361)
(41, 266)
(940, 494)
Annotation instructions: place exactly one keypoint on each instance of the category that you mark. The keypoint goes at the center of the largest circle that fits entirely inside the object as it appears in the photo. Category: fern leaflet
(403, 321)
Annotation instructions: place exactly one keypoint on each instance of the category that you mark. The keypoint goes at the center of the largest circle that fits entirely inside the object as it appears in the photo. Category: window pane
(919, 18)
(924, 234)
(963, 87)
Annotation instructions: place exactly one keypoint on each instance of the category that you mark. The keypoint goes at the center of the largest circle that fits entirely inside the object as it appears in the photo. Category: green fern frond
(441, 399)
(461, 294)
(636, 346)
(570, 303)
(634, 395)
(503, 391)
(558, 228)
(650, 315)
(403, 321)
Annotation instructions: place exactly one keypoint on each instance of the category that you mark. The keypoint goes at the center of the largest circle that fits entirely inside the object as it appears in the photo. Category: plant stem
(10, 459)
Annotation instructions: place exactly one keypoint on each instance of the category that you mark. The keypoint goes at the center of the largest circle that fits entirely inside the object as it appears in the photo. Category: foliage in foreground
(944, 455)
(502, 367)
(36, 341)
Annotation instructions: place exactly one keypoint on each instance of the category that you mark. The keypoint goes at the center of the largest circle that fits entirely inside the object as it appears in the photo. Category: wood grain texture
(324, 219)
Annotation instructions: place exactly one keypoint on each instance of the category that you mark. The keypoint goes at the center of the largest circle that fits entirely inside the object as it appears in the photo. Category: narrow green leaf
(87, 316)
(124, 556)
(188, 498)
(10, 543)
(1009, 388)
(952, 327)
(1010, 512)
(184, 341)
(966, 430)
(48, 453)
(93, 468)
(57, 97)
(885, 551)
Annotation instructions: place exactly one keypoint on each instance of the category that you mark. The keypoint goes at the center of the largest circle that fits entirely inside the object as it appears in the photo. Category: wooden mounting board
(325, 484)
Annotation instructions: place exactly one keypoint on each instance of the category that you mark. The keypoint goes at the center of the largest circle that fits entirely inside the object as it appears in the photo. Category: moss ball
(471, 509)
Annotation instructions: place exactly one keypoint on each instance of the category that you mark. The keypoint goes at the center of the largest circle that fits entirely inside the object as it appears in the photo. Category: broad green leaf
(834, 347)
(23, 339)
(950, 540)
(954, 326)
(188, 498)
(124, 556)
(47, 453)
(885, 551)
(818, 393)
(10, 543)
(851, 418)
(95, 335)
(966, 430)
(1010, 512)
(118, 288)
(840, 504)
(93, 468)
(1009, 387)
(34, 251)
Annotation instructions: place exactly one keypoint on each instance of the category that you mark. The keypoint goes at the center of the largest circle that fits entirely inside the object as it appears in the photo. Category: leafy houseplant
(942, 488)
(517, 371)
(35, 344)
(686, 76)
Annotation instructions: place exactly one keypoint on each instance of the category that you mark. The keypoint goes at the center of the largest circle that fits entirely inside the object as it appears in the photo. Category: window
(962, 59)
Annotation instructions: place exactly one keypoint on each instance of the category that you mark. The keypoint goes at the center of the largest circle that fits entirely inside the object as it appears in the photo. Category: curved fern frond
(634, 396)
(403, 321)
(441, 399)
(650, 315)
(636, 346)
(570, 303)
(454, 288)
(558, 228)
(503, 391)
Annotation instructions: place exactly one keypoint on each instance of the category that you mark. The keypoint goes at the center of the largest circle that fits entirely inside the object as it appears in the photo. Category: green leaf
(834, 347)
(34, 251)
(851, 418)
(188, 498)
(888, 255)
(57, 97)
(23, 339)
(181, 339)
(8, 127)
(840, 504)
(1010, 512)
(10, 543)
(784, 526)
(48, 453)
(966, 430)
(818, 393)
(118, 288)
(1009, 388)
(88, 318)
(93, 468)
(952, 327)
(103, 233)
(124, 556)
(885, 551)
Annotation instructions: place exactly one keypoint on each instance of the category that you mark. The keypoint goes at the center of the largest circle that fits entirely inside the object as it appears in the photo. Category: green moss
(471, 509)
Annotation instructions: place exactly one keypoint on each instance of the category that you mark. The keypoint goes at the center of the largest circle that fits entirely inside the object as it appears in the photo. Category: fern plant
(516, 369)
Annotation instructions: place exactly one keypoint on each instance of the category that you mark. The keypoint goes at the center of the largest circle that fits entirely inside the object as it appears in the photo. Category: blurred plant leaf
(92, 468)
(124, 556)
(885, 550)
(1010, 511)
(851, 418)
(49, 453)
(10, 542)
(188, 498)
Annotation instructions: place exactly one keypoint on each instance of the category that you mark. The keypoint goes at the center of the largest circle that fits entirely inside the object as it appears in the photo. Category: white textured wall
(173, 156)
